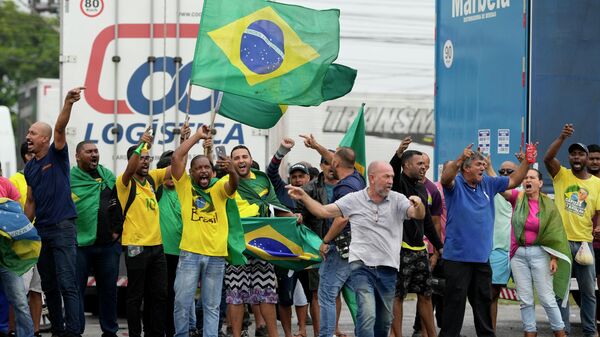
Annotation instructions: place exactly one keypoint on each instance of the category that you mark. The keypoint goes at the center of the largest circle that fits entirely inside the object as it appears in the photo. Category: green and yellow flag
(253, 112)
(282, 242)
(355, 138)
(20, 244)
(273, 52)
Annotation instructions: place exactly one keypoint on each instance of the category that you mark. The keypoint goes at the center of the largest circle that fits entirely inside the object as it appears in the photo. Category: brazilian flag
(282, 242)
(277, 53)
(20, 244)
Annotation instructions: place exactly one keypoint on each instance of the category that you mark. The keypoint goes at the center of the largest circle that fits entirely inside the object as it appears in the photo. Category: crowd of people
(384, 235)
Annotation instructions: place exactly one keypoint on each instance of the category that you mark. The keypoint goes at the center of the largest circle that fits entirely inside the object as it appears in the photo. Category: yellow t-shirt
(577, 201)
(18, 179)
(247, 209)
(205, 227)
(142, 222)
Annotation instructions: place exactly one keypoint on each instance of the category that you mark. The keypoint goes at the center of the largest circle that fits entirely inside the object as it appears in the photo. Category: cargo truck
(514, 71)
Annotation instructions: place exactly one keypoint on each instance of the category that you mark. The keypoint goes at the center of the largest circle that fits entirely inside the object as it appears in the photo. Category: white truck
(135, 57)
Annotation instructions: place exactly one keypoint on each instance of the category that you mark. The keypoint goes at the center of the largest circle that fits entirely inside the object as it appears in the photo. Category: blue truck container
(512, 71)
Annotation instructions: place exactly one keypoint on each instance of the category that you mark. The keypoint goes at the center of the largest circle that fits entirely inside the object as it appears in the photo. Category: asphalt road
(509, 322)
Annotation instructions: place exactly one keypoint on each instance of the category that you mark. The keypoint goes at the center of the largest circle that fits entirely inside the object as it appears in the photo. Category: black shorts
(414, 275)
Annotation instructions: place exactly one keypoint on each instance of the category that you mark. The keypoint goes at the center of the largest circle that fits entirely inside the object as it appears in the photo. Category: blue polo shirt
(470, 222)
(49, 179)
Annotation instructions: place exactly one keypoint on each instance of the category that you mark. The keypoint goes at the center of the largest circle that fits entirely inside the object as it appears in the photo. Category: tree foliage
(29, 48)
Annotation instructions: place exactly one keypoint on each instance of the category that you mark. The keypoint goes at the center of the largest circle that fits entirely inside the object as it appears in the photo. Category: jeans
(172, 262)
(472, 280)
(531, 267)
(58, 271)
(104, 261)
(222, 310)
(210, 270)
(147, 283)
(586, 279)
(333, 274)
(375, 288)
(17, 296)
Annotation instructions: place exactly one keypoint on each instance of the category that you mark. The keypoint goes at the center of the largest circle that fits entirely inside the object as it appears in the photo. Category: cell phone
(220, 151)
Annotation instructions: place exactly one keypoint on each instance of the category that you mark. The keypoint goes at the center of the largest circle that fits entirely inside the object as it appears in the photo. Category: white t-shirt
(376, 228)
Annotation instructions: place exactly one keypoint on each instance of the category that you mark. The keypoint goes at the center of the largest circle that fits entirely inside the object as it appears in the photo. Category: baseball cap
(578, 146)
(298, 167)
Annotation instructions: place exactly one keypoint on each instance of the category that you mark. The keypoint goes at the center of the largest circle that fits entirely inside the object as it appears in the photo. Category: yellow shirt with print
(18, 179)
(205, 226)
(577, 201)
(247, 209)
(142, 222)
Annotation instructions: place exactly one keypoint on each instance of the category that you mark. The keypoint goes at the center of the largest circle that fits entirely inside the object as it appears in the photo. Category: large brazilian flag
(273, 52)
(282, 242)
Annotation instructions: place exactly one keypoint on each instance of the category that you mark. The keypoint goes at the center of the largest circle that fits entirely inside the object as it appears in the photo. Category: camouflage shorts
(414, 275)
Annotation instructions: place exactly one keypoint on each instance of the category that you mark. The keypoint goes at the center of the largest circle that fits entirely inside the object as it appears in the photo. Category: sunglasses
(506, 172)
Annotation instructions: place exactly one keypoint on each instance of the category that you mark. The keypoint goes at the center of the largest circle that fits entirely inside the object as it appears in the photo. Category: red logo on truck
(98, 53)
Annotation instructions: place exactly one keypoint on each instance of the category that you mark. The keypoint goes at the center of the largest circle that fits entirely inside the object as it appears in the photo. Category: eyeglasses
(506, 172)
(146, 158)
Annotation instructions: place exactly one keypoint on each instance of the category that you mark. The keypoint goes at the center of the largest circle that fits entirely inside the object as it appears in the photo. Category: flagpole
(213, 114)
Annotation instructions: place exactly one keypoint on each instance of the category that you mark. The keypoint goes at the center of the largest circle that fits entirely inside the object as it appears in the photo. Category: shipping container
(509, 72)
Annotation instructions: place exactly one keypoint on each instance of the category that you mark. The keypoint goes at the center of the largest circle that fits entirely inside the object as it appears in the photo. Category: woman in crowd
(540, 254)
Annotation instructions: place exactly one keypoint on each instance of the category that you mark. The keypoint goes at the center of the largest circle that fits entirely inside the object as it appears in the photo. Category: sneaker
(261, 331)
(195, 333)
(245, 333)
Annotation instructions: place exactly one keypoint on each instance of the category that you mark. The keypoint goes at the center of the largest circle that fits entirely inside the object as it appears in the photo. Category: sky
(390, 42)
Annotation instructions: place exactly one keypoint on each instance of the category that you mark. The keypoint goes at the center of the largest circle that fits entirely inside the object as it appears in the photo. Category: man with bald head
(377, 214)
(49, 202)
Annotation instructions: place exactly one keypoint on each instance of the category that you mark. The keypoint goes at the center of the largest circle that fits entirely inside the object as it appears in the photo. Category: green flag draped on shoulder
(85, 192)
(247, 189)
(551, 236)
(355, 139)
(282, 242)
(20, 244)
(277, 53)
(235, 233)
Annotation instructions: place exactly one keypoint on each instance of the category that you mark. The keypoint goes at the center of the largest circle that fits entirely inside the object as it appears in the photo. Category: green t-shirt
(171, 225)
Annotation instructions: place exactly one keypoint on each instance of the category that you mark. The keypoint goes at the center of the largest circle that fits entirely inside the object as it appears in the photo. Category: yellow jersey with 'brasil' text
(205, 225)
(142, 222)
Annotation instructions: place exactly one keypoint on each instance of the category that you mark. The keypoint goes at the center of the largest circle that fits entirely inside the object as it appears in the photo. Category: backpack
(117, 213)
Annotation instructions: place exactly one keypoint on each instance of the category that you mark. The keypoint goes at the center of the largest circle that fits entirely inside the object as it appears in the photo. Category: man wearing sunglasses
(142, 241)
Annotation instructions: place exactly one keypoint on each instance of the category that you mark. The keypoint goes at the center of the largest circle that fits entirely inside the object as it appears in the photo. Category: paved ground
(509, 323)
